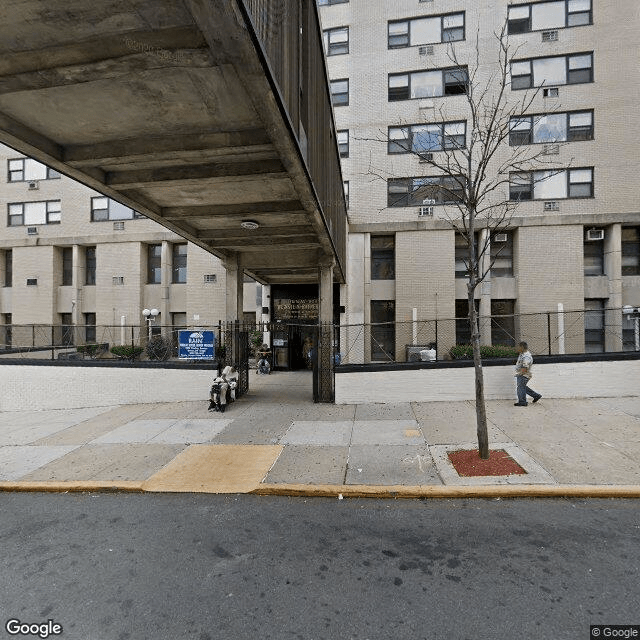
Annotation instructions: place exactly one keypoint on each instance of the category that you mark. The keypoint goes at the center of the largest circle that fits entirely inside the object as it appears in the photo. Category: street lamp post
(150, 316)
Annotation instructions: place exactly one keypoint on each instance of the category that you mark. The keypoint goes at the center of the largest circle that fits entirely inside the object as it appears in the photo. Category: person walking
(523, 374)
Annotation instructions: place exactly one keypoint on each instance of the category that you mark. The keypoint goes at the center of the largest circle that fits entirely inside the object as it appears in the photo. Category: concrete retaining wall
(49, 387)
(552, 380)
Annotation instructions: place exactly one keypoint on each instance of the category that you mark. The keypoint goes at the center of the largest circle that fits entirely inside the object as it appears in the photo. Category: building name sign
(288, 309)
(196, 345)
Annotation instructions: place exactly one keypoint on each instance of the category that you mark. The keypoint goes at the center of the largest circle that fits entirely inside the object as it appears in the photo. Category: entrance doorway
(292, 344)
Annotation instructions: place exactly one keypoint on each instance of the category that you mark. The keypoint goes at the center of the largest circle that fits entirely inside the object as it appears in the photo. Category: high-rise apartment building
(398, 73)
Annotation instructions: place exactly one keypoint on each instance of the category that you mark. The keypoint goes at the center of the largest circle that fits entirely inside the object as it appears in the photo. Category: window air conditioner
(425, 157)
(425, 211)
(552, 206)
(500, 237)
(118, 226)
(429, 201)
(32, 231)
(33, 185)
(550, 92)
(595, 234)
(426, 50)
(551, 149)
(550, 36)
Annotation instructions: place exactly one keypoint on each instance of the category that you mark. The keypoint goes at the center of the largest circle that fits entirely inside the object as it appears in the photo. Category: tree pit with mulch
(468, 463)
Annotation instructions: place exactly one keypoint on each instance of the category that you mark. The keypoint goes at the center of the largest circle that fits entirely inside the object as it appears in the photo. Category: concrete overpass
(207, 116)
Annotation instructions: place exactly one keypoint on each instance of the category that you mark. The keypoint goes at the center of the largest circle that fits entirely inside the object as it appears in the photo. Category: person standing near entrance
(523, 374)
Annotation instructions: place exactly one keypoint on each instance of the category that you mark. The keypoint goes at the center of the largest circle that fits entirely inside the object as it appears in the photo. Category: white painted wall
(24, 387)
(561, 380)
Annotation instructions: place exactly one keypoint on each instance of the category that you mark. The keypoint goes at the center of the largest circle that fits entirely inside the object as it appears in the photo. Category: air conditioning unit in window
(552, 206)
(500, 237)
(550, 92)
(32, 231)
(595, 234)
(426, 50)
(550, 36)
(33, 185)
(551, 149)
(118, 226)
(425, 157)
(424, 212)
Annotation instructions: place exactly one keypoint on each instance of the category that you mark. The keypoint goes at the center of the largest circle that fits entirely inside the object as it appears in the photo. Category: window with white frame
(343, 142)
(426, 30)
(103, 208)
(407, 192)
(339, 92)
(329, 2)
(419, 138)
(551, 127)
(555, 70)
(428, 84)
(501, 254)
(34, 213)
(549, 14)
(336, 41)
(594, 326)
(631, 251)
(551, 184)
(26, 169)
(593, 253)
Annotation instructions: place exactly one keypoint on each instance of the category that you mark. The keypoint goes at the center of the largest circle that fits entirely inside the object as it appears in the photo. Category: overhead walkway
(208, 116)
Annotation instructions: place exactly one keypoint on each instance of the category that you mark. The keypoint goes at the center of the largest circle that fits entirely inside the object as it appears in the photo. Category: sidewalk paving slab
(310, 464)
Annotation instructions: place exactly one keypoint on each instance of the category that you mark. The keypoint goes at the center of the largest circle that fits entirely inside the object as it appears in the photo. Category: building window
(593, 257)
(8, 267)
(27, 169)
(383, 331)
(628, 332)
(594, 326)
(34, 213)
(552, 14)
(67, 266)
(90, 265)
(343, 143)
(503, 326)
(427, 30)
(90, 327)
(420, 138)
(345, 186)
(8, 337)
(461, 255)
(551, 185)
(407, 192)
(428, 84)
(383, 257)
(179, 264)
(154, 263)
(339, 93)
(103, 208)
(631, 251)
(501, 254)
(551, 127)
(556, 70)
(329, 2)
(66, 326)
(463, 333)
(336, 41)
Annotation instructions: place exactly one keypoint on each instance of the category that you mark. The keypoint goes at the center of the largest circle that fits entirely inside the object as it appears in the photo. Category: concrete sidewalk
(276, 440)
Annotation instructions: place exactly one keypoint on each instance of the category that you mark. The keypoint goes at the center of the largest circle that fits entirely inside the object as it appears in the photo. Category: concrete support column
(613, 271)
(325, 303)
(485, 291)
(77, 281)
(166, 273)
(323, 376)
(234, 289)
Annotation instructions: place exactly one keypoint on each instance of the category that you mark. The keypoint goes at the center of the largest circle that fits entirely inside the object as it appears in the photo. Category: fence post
(132, 342)
(549, 330)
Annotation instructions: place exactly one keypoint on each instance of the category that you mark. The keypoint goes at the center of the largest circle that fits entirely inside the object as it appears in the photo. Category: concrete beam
(251, 237)
(226, 210)
(188, 173)
(140, 149)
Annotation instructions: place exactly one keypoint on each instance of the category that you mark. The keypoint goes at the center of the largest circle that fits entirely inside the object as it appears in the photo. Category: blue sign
(196, 345)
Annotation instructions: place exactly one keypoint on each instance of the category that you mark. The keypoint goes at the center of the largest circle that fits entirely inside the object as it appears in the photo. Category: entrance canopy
(211, 117)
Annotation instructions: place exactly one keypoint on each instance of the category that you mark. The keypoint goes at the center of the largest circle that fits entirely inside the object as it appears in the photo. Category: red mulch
(469, 463)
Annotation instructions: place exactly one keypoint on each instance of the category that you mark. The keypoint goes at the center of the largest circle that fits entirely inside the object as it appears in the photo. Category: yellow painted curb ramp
(215, 469)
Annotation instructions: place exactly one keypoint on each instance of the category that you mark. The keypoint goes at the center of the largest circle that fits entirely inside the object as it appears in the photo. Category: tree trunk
(481, 411)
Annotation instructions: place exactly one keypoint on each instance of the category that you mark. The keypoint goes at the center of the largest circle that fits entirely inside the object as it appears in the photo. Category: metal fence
(549, 333)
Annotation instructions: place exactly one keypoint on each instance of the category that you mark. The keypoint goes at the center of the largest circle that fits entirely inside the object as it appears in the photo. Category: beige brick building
(71, 257)
(574, 238)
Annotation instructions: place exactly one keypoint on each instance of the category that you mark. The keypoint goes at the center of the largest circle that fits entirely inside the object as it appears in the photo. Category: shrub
(126, 351)
(465, 351)
(158, 348)
(92, 350)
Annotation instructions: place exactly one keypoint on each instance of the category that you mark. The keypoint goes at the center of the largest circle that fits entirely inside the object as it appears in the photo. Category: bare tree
(477, 176)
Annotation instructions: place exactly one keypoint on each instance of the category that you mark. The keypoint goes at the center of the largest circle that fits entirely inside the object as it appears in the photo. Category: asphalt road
(131, 566)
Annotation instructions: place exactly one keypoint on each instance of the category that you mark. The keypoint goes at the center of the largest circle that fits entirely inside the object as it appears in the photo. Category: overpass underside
(200, 114)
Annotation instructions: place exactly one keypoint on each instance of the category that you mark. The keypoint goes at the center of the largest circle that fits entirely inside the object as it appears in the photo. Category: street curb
(78, 486)
(438, 491)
